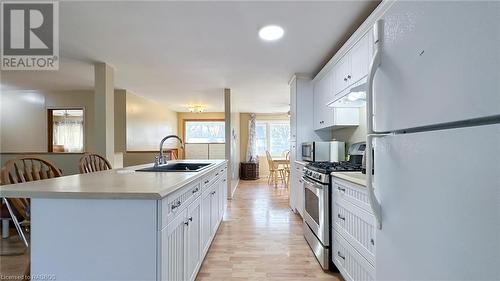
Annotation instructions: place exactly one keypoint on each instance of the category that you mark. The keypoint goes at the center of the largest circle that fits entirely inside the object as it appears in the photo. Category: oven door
(308, 151)
(316, 209)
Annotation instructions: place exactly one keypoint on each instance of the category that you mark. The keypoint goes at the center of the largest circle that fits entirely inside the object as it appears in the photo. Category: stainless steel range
(317, 196)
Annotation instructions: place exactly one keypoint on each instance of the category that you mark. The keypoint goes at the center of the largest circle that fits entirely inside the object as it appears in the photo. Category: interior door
(440, 198)
(440, 63)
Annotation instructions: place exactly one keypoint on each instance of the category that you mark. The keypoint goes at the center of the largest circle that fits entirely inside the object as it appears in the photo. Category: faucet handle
(157, 160)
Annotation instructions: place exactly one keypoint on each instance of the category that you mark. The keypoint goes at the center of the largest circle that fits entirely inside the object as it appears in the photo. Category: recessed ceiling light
(271, 32)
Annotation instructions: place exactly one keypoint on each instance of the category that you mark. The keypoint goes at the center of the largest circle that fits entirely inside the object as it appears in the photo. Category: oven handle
(315, 184)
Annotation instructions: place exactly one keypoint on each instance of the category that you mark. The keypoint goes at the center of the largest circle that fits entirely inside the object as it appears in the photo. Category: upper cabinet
(337, 82)
(353, 66)
(323, 115)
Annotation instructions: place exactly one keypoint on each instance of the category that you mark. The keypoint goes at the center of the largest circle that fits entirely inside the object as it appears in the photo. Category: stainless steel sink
(177, 167)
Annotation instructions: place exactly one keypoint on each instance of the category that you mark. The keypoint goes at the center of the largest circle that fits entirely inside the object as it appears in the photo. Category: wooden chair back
(90, 163)
(26, 169)
(270, 161)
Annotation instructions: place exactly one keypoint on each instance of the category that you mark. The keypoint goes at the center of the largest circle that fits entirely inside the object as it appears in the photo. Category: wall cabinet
(323, 115)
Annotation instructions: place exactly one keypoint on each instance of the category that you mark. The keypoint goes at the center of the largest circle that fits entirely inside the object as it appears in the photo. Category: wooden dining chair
(275, 172)
(286, 168)
(90, 163)
(22, 170)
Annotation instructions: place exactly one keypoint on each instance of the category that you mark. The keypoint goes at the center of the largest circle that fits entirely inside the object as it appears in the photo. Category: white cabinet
(323, 115)
(214, 207)
(296, 188)
(193, 239)
(341, 75)
(353, 66)
(301, 113)
(173, 252)
(206, 229)
(190, 229)
(353, 231)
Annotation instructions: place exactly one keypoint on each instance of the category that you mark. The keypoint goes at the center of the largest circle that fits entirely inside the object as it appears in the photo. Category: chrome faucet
(162, 159)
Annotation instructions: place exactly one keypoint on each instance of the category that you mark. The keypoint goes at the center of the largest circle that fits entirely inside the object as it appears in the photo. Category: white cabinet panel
(360, 58)
(193, 239)
(206, 230)
(341, 74)
(214, 207)
(323, 115)
(173, 256)
(349, 262)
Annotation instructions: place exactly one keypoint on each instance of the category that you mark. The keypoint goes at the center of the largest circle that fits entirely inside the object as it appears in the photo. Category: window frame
(184, 137)
(50, 127)
(268, 133)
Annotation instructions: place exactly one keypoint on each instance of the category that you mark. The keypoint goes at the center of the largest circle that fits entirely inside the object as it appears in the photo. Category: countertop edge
(152, 195)
(349, 178)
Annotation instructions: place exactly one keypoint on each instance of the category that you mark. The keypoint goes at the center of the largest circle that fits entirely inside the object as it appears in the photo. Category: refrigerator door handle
(375, 63)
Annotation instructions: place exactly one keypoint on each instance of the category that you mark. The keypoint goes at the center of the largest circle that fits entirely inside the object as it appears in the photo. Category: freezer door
(440, 63)
(440, 198)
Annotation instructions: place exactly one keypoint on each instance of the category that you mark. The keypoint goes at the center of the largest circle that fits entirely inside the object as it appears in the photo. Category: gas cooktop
(328, 167)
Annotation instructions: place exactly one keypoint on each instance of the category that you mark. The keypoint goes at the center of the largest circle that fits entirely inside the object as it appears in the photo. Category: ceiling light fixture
(271, 32)
(196, 108)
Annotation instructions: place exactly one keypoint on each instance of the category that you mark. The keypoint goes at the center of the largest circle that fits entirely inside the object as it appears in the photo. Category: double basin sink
(177, 167)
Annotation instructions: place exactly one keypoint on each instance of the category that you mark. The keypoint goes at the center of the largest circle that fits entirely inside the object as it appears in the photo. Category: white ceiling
(185, 53)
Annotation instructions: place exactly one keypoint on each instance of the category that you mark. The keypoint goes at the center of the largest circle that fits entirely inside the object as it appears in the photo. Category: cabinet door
(193, 239)
(206, 229)
(359, 59)
(323, 116)
(173, 238)
(341, 74)
(222, 197)
(214, 208)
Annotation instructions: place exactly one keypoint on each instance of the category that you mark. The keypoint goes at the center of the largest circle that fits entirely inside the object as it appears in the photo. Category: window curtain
(252, 140)
(69, 133)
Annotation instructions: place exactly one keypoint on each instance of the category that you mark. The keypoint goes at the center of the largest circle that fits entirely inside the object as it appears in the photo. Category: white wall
(147, 123)
(23, 118)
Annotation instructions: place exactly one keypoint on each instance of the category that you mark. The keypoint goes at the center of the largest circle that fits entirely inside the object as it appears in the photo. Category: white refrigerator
(433, 118)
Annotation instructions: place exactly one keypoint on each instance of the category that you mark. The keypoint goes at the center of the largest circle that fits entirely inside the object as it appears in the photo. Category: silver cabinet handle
(345, 79)
(206, 181)
(341, 189)
(216, 174)
(196, 190)
(213, 192)
(348, 76)
(176, 205)
(340, 217)
(340, 255)
(372, 241)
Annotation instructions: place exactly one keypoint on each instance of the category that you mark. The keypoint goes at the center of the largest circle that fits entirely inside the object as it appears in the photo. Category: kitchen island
(122, 224)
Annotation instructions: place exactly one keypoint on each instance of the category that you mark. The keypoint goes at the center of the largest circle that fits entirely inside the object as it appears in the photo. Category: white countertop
(354, 177)
(303, 163)
(122, 183)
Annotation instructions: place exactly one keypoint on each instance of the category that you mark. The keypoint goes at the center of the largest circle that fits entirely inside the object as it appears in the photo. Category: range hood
(354, 96)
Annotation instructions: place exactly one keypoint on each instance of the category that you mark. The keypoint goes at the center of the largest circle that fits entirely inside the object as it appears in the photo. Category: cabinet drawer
(173, 204)
(351, 192)
(350, 263)
(356, 226)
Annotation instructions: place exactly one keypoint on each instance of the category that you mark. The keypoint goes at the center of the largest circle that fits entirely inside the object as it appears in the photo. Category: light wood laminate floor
(261, 239)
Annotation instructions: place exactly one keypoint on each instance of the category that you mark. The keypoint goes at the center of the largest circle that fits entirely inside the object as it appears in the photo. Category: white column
(104, 130)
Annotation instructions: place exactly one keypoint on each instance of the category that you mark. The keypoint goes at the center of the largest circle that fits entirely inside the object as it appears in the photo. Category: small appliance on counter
(321, 151)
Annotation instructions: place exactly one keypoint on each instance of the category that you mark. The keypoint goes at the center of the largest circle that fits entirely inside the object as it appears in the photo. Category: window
(65, 130)
(273, 136)
(201, 131)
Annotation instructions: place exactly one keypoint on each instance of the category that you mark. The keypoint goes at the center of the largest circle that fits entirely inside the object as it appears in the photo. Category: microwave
(321, 151)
